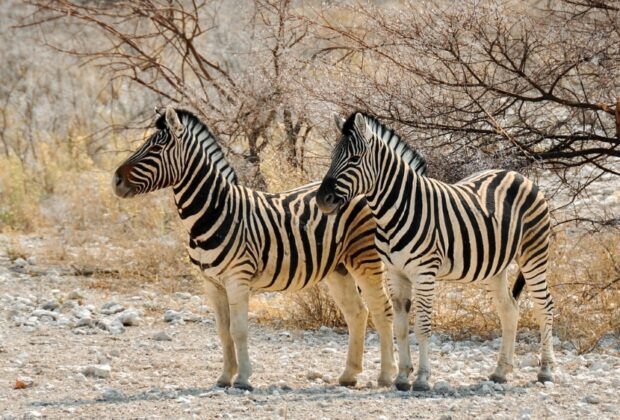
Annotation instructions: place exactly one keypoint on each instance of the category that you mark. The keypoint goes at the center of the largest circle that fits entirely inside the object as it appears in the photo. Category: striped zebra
(248, 240)
(428, 230)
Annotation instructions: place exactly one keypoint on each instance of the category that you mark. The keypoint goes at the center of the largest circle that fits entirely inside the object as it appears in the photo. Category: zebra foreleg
(373, 293)
(424, 293)
(238, 296)
(344, 292)
(400, 291)
(219, 303)
(508, 312)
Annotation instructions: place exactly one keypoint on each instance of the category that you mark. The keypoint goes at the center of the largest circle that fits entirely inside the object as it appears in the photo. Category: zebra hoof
(403, 386)
(545, 376)
(222, 383)
(497, 378)
(243, 386)
(420, 386)
(349, 383)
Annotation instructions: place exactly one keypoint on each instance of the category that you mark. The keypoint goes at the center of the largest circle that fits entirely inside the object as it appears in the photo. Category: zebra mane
(391, 139)
(206, 138)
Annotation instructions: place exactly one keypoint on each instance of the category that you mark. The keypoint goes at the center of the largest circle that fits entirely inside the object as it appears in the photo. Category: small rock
(32, 415)
(128, 318)
(50, 305)
(113, 327)
(324, 329)
(112, 395)
(111, 308)
(162, 336)
(549, 385)
(20, 262)
(312, 375)
(442, 387)
(196, 300)
(75, 295)
(171, 315)
(183, 295)
(31, 260)
(82, 313)
(23, 382)
(43, 312)
(591, 399)
(97, 371)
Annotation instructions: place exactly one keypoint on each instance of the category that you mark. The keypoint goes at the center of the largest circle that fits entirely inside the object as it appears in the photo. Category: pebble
(75, 295)
(112, 395)
(443, 387)
(44, 312)
(97, 371)
(112, 326)
(23, 382)
(111, 308)
(50, 305)
(312, 375)
(162, 336)
(183, 295)
(128, 318)
(591, 399)
(20, 262)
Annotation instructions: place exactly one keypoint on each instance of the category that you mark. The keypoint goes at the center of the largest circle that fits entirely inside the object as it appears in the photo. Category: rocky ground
(68, 350)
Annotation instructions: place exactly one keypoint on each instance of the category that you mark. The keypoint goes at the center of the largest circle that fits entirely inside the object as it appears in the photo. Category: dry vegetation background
(532, 86)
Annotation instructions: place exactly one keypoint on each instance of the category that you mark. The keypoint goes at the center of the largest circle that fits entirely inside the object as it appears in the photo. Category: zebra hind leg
(218, 301)
(508, 311)
(373, 293)
(543, 307)
(343, 290)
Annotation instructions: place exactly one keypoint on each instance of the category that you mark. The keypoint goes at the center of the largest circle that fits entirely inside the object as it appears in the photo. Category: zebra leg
(343, 290)
(400, 291)
(238, 297)
(373, 292)
(508, 311)
(543, 307)
(424, 293)
(219, 302)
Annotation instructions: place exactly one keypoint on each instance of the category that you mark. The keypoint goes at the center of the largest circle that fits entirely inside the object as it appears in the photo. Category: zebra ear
(173, 122)
(362, 127)
(159, 111)
(339, 122)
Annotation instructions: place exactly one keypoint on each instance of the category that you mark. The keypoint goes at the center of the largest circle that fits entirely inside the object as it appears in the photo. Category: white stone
(529, 360)
(97, 371)
(128, 318)
(43, 312)
(112, 308)
(591, 399)
(20, 262)
(162, 336)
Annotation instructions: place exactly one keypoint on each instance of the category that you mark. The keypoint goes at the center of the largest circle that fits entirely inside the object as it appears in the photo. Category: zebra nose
(117, 180)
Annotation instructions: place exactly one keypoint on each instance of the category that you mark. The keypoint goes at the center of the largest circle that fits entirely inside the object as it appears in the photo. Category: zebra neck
(394, 185)
(203, 198)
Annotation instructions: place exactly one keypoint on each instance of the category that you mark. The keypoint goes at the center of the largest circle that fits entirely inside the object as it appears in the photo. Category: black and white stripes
(244, 239)
(427, 230)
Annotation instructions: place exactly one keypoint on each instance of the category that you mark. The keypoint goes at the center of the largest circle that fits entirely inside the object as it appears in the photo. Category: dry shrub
(313, 308)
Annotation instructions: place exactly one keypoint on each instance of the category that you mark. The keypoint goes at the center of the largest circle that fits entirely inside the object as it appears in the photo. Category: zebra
(428, 230)
(245, 240)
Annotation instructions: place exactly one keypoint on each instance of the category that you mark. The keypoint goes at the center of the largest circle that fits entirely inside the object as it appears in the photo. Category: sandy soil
(56, 333)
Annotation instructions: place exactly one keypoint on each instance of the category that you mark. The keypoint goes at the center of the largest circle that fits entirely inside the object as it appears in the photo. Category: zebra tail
(517, 288)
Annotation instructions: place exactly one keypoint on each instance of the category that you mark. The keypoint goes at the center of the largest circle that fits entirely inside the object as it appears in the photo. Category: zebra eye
(156, 148)
(355, 159)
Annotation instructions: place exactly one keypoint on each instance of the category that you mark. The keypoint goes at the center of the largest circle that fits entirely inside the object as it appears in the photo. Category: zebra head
(351, 171)
(157, 163)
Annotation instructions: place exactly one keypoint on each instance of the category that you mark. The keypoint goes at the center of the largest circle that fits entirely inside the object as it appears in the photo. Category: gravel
(86, 360)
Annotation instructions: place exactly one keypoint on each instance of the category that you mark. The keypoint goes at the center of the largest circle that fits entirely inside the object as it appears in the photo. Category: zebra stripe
(428, 230)
(244, 239)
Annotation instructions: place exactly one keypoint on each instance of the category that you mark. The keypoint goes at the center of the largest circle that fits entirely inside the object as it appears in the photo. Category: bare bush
(482, 84)
(174, 49)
